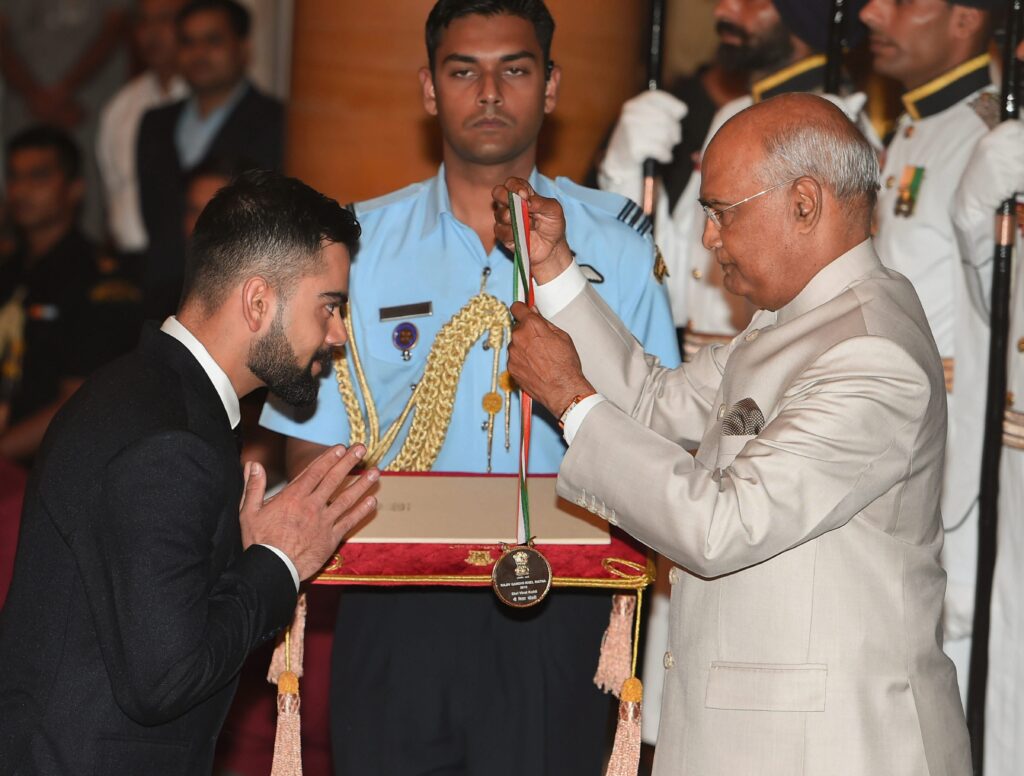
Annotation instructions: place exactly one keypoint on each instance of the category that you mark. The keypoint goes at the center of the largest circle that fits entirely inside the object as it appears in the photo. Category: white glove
(996, 170)
(850, 104)
(994, 174)
(648, 128)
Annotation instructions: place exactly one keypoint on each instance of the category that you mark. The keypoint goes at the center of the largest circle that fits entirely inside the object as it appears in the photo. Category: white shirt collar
(221, 383)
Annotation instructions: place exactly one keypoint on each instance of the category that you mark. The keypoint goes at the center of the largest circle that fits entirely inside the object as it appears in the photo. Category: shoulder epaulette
(986, 105)
(619, 207)
(369, 205)
(633, 215)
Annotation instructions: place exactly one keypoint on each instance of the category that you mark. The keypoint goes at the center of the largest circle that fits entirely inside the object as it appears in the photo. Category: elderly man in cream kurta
(804, 632)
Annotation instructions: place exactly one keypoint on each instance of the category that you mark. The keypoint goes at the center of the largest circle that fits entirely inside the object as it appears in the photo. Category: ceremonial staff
(1006, 229)
(836, 44)
(653, 83)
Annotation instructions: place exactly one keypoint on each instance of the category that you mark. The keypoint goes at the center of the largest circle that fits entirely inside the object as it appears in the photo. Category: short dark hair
(238, 15)
(445, 12)
(69, 158)
(262, 223)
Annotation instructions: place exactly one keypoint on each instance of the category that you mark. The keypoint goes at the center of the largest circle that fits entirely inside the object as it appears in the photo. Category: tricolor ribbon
(522, 291)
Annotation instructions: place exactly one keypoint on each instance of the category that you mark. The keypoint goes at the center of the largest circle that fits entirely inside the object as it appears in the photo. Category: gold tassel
(285, 670)
(288, 652)
(613, 665)
(625, 757)
(288, 741)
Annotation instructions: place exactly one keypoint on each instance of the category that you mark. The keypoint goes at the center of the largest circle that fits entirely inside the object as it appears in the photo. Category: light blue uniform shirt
(413, 250)
(194, 133)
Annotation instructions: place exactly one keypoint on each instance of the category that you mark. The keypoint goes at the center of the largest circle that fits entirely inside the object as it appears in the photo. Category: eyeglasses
(714, 214)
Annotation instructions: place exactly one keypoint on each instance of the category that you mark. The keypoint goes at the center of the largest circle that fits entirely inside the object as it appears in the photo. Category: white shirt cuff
(288, 562)
(554, 296)
(576, 415)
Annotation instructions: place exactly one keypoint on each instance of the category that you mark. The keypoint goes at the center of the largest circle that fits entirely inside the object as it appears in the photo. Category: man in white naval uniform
(780, 43)
(805, 617)
(937, 51)
(996, 173)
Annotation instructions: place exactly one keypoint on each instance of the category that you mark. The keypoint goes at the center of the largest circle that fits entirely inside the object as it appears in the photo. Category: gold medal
(521, 577)
(660, 267)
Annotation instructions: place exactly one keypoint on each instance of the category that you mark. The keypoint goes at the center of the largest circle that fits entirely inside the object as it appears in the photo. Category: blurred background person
(226, 117)
(155, 39)
(65, 308)
(62, 60)
(779, 45)
(938, 52)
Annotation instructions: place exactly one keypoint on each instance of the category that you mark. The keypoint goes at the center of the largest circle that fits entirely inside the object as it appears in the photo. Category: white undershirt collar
(221, 383)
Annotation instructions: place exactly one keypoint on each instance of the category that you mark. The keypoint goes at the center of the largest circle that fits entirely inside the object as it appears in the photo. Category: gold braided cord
(356, 421)
(433, 399)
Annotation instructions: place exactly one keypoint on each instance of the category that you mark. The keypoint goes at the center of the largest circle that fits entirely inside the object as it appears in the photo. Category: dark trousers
(454, 683)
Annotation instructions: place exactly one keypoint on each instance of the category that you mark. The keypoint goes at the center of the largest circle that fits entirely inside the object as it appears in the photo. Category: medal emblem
(404, 337)
(521, 577)
(910, 187)
(660, 267)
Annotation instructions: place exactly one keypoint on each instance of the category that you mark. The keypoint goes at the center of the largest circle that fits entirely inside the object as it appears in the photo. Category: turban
(810, 20)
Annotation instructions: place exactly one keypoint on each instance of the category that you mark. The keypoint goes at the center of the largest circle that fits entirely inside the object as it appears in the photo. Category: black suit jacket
(133, 606)
(251, 137)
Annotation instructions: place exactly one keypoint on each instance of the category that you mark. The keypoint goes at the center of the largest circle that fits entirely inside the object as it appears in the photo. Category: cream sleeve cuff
(577, 414)
(553, 297)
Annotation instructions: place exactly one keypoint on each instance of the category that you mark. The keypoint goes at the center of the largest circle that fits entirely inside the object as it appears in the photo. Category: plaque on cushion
(435, 528)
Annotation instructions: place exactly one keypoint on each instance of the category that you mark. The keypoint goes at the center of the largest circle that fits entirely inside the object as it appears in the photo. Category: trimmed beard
(272, 359)
(769, 52)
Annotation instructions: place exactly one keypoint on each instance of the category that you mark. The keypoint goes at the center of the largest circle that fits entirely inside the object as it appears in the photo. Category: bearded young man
(140, 583)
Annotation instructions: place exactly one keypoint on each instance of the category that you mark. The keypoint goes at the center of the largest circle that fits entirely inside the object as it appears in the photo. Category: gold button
(721, 412)
(697, 274)
(668, 661)
(673, 576)
(1020, 345)
(752, 335)
(1009, 398)
(890, 181)
(909, 132)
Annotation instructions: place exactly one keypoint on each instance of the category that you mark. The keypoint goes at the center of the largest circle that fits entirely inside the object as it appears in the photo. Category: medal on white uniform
(522, 575)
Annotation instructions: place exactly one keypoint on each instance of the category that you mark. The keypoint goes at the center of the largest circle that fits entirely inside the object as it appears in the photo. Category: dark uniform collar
(948, 89)
(807, 75)
(72, 245)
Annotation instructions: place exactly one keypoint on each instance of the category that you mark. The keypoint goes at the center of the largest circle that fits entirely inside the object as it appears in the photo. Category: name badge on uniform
(400, 312)
(910, 187)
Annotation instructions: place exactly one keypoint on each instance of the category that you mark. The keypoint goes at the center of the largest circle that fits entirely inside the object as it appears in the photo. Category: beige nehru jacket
(804, 628)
